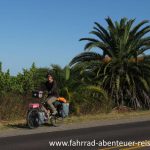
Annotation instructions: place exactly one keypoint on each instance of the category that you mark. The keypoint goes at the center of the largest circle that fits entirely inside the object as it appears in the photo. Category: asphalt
(131, 131)
(21, 129)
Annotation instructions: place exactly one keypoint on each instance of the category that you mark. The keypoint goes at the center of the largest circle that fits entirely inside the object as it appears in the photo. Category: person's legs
(44, 109)
(50, 103)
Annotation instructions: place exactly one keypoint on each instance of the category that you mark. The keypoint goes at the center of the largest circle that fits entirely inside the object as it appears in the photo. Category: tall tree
(122, 68)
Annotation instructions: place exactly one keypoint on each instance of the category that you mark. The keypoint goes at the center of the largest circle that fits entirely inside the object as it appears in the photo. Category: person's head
(50, 78)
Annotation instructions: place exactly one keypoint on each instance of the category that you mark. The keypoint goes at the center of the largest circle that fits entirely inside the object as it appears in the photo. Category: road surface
(78, 138)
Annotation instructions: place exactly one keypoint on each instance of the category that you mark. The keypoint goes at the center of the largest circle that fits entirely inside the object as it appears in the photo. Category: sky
(48, 31)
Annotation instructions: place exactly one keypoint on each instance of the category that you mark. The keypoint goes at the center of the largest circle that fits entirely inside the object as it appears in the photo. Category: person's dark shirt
(52, 88)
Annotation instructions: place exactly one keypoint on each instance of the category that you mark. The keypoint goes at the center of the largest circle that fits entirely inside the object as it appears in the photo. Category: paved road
(122, 132)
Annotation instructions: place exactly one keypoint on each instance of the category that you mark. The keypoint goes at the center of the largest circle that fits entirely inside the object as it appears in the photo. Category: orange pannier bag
(62, 99)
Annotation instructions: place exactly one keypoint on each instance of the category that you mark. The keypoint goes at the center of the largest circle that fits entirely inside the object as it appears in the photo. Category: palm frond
(96, 89)
(137, 27)
(86, 56)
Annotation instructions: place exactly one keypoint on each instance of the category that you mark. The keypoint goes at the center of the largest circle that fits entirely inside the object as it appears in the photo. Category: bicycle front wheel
(56, 121)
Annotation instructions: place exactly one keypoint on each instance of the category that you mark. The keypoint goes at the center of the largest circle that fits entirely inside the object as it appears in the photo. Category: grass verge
(108, 116)
(4, 125)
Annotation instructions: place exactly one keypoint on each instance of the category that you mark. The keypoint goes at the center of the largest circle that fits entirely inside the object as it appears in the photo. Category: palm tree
(123, 68)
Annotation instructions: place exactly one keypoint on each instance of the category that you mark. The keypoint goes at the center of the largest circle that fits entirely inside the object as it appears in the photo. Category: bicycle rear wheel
(33, 119)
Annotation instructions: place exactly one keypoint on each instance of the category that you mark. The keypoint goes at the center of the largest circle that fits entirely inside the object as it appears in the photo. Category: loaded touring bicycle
(36, 116)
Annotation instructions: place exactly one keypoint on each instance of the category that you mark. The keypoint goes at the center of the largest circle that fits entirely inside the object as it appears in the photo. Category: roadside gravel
(17, 131)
